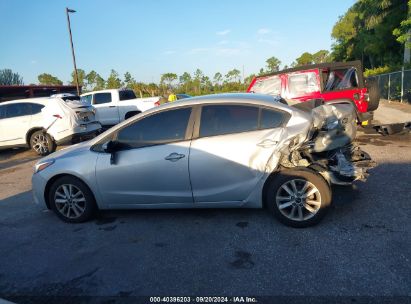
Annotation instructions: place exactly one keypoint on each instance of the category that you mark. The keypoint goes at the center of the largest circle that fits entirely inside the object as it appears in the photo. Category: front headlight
(43, 165)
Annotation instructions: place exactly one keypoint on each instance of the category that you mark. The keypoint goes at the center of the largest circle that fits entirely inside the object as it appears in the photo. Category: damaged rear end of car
(329, 147)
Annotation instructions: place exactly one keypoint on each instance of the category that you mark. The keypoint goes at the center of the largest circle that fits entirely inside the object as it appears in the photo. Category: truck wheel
(42, 143)
(298, 197)
(373, 95)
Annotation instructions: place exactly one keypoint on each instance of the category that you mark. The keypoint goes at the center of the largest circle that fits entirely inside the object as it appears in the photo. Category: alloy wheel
(70, 201)
(298, 199)
(40, 143)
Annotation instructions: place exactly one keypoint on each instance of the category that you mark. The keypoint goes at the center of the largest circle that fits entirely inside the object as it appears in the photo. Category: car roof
(229, 98)
(39, 100)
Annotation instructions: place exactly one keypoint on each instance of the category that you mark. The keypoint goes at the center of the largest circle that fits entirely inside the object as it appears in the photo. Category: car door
(15, 123)
(152, 169)
(106, 109)
(233, 146)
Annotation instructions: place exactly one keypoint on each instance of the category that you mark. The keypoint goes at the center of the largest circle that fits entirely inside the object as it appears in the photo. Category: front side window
(100, 98)
(226, 119)
(17, 110)
(86, 99)
(161, 128)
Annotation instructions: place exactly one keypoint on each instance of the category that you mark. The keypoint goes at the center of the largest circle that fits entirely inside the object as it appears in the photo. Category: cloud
(169, 52)
(263, 31)
(224, 32)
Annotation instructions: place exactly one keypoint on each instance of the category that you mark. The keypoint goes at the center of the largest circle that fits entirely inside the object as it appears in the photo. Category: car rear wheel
(42, 143)
(298, 197)
(71, 200)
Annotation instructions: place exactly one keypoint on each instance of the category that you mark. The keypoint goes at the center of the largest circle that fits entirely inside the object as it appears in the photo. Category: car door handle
(267, 143)
(173, 157)
(111, 106)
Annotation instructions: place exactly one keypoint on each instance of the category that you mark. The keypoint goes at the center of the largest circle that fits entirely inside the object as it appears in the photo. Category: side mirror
(112, 147)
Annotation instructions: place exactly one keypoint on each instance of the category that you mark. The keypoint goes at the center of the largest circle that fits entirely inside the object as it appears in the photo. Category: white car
(43, 123)
(114, 106)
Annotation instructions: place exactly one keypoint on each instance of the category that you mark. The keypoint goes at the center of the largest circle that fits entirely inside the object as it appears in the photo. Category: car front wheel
(71, 200)
(298, 197)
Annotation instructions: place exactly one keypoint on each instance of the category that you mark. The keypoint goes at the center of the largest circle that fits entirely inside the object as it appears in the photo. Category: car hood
(68, 151)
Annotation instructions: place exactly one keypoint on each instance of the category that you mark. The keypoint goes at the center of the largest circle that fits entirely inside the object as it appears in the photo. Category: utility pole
(72, 48)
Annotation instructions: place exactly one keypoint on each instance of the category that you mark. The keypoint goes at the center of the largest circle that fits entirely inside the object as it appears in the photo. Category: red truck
(328, 82)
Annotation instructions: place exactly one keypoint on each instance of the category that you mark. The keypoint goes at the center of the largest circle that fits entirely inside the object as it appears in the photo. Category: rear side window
(271, 119)
(100, 98)
(126, 94)
(226, 119)
(161, 128)
(17, 110)
(36, 108)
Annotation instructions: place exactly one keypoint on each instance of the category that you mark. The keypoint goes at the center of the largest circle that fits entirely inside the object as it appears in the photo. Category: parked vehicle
(114, 106)
(326, 81)
(230, 150)
(43, 123)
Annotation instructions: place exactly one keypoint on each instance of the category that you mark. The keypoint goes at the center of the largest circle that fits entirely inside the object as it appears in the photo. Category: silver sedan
(216, 151)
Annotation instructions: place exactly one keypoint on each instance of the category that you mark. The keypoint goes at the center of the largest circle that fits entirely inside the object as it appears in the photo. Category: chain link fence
(395, 86)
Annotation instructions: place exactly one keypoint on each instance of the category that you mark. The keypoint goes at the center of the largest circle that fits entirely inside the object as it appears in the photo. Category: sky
(151, 37)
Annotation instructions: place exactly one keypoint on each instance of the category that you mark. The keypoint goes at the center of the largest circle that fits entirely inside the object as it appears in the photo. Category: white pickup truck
(114, 106)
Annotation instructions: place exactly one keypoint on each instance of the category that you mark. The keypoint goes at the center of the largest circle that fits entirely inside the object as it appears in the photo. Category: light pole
(72, 48)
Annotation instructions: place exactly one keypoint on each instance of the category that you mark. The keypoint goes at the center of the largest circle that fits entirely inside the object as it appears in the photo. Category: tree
(233, 75)
(198, 75)
(218, 78)
(81, 74)
(153, 89)
(7, 77)
(48, 79)
(321, 56)
(94, 81)
(138, 87)
(403, 34)
(167, 79)
(304, 59)
(185, 80)
(113, 81)
(128, 80)
(273, 64)
(367, 32)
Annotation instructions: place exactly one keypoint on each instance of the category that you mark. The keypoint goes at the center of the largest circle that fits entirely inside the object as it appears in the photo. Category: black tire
(373, 94)
(42, 143)
(275, 194)
(75, 203)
